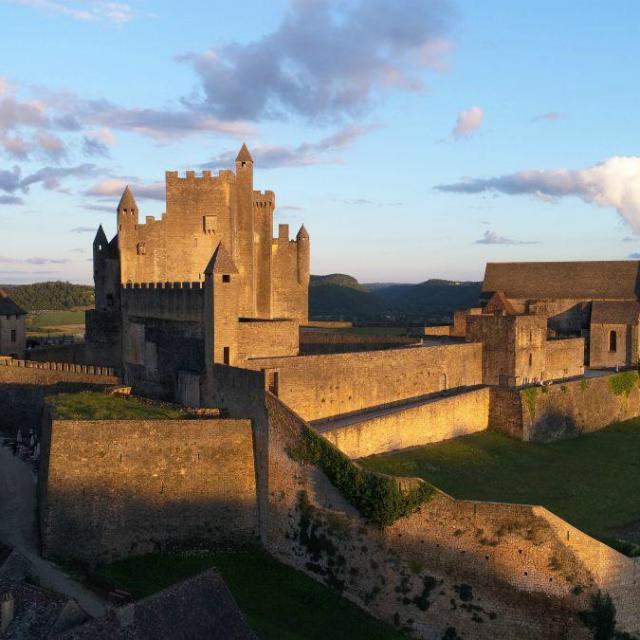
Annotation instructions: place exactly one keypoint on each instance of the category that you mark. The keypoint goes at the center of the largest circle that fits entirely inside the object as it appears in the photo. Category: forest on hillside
(50, 296)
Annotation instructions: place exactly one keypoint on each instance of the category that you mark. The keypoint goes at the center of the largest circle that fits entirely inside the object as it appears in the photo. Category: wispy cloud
(326, 59)
(11, 200)
(37, 260)
(490, 237)
(86, 11)
(630, 239)
(306, 153)
(113, 187)
(549, 116)
(613, 183)
(468, 121)
(634, 256)
(83, 230)
(49, 177)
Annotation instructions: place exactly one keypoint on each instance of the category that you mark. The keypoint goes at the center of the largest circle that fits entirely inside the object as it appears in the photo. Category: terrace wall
(431, 421)
(125, 487)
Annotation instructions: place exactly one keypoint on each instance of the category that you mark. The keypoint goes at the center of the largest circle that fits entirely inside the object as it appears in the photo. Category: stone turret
(304, 255)
(127, 210)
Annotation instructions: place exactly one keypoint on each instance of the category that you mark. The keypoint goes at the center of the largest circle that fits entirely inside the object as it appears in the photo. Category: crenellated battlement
(264, 199)
(134, 286)
(224, 175)
(178, 301)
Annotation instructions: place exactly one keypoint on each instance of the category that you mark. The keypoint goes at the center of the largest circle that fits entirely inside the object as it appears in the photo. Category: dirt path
(18, 528)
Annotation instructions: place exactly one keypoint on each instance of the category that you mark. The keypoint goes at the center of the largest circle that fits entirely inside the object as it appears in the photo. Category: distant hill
(339, 279)
(433, 301)
(50, 296)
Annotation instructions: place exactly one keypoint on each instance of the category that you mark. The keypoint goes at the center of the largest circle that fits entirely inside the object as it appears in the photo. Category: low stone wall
(318, 342)
(329, 324)
(321, 386)
(124, 487)
(25, 384)
(439, 330)
(566, 409)
(433, 420)
(86, 353)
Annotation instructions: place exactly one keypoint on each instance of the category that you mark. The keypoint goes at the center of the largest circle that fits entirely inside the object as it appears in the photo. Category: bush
(623, 383)
(529, 395)
(379, 498)
(601, 617)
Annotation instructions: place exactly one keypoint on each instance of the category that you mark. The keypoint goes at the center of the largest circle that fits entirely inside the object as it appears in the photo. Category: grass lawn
(93, 405)
(592, 481)
(278, 602)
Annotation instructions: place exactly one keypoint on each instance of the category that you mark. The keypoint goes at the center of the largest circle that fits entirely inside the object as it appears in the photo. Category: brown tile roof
(8, 307)
(615, 312)
(613, 280)
(201, 608)
(499, 302)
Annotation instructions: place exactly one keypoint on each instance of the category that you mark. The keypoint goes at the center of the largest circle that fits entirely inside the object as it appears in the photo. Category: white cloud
(468, 122)
(613, 183)
(88, 11)
(491, 237)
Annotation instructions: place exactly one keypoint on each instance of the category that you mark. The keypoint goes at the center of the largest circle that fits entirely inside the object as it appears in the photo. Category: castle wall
(24, 386)
(317, 342)
(564, 358)
(264, 338)
(627, 347)
(433, 421)
(327, 385)
(290, 296)
(565, 315)
(126, 487)
(87, 353)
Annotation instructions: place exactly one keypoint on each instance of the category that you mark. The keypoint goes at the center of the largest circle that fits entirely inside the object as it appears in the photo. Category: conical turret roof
(243, 154)
(101, 237)
(303, 233)
(127, 201)
(221, 262)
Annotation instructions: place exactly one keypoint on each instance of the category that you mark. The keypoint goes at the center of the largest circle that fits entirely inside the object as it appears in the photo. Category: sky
(415, 139)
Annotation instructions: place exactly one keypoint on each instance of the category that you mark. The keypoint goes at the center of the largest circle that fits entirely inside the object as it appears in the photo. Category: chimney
(7, 608)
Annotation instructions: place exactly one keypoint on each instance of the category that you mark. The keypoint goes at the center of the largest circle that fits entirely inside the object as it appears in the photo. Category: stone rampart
(566, 409)
(320, 386)
(83, 353)
(432, 420)
(258, 338)
(183, 301)
(319, 342)
(126, 487)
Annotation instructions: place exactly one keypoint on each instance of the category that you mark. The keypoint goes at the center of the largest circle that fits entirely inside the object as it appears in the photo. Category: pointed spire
(101, 237)
(243, 154)
(221, 262)
(303, 233)
(127, 201)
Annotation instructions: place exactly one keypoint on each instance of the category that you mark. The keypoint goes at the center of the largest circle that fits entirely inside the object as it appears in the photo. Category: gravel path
(18, 528)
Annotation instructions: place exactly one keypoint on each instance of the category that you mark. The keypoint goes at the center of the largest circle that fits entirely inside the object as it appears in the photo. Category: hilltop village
(226, 417)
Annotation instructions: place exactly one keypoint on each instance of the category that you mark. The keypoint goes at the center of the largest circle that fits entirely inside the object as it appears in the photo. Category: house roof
(626, 312)
(201, 608)
(8, 307)
(499, 302)
(611, 280)
(221, 262)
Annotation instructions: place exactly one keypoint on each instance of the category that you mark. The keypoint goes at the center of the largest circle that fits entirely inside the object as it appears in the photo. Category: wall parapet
(60, 366)
(134, 286)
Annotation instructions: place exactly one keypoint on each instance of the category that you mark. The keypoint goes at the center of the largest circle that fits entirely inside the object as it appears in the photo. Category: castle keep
(206, 282)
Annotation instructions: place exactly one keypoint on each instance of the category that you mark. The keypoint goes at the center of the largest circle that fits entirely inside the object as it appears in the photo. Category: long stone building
(206, 282)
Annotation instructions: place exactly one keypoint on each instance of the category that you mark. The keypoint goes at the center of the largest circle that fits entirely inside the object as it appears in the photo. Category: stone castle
(206, 282)
(204, 307)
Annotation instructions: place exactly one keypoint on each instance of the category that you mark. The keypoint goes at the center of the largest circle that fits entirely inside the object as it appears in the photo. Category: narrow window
(613, 341)
(225, 355)
(530, 359)
(226, 277)
(273, 382)
(530, 335)
(13, 335)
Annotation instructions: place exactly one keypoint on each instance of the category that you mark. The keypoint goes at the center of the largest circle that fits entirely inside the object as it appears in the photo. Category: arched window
(613, 341)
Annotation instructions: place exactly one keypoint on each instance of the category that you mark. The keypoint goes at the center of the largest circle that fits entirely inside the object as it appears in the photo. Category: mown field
(278, 602)
(592, 481)
(43, 322)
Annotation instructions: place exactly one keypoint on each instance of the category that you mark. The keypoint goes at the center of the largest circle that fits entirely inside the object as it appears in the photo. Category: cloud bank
(326, 59)
(614, 183)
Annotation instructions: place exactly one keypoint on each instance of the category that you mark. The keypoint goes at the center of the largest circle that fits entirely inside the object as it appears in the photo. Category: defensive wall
(83, 353)
(125, 487)
(484, 570)
(329, 324)
(319, 342)
(566, 409)
(24, 385)
(320, 386)
(431, 420)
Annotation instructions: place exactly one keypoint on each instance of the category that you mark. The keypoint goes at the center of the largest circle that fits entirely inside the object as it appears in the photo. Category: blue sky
(415, 139)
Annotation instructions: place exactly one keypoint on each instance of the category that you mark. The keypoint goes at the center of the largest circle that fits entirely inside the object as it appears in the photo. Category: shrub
(529, 395)
(601, 617)
(379, 498)
(623, 383)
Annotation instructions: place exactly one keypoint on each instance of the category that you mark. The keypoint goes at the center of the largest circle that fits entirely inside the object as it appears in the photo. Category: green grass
(93, 405)
(592, 481)
(278, 602)
(54, 318)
